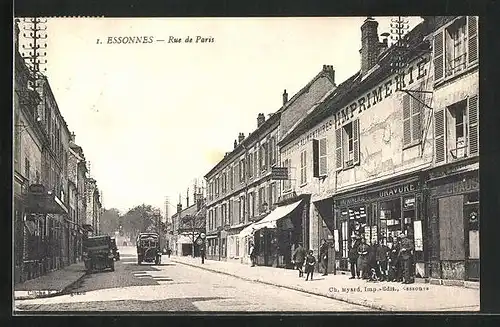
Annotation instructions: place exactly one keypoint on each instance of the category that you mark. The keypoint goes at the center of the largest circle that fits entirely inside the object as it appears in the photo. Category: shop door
(471, 221)
(451, 236)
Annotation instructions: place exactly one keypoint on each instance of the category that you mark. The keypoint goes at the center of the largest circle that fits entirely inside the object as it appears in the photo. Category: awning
(270, 220)
(45, 203)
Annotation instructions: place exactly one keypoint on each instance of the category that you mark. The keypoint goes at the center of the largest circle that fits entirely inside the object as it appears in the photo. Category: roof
(268, 122)
(357, 84)
(193, 218)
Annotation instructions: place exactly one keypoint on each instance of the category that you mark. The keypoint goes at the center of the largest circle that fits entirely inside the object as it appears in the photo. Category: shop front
(454, 222)
(381, 211)
(275, 236)
(212, 251)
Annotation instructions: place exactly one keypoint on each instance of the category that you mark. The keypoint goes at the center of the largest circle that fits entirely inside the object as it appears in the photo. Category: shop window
(345, 239)
(390, 218)
(237, 246)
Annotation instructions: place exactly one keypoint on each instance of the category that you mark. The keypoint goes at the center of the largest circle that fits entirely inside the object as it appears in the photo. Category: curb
(48, 294)
(364, 303)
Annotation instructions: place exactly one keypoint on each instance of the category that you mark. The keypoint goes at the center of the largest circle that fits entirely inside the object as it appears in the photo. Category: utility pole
(36, 36)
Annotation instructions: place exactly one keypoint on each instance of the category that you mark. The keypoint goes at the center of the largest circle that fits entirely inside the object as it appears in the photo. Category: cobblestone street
(177, 287)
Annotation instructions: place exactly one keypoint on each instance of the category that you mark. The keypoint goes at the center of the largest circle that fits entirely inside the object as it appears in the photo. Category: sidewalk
(51, 284)
(387, 296)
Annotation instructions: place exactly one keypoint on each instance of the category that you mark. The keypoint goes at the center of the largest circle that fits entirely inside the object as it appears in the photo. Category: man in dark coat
(310, 263)
(363, 258)
(406, 254)
(396, 260)
(323, 254)
(353, 257)
(382, 253)
(299, 255)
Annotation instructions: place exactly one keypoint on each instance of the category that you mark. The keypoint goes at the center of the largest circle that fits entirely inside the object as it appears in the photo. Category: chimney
(73, 137)
(285, 97)
(328, 69)
(16, 35)
(235, 144)
(260, 119)
(369, 44)
(241, 137)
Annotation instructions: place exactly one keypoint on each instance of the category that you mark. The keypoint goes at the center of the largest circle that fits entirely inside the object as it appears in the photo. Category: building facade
(242, 189)
(93, 207)
(377, 155)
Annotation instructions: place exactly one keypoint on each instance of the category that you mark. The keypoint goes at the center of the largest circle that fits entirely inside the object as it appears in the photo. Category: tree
(110, 221)
(142, 218)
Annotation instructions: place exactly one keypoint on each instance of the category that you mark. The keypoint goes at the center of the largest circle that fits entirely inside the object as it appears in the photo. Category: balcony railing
(456, 65)
(459, 152)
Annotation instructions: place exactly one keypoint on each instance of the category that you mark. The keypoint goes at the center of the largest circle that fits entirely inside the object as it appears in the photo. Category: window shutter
(355, 141)
(323, 165)
(416, 109)
(406, 120)
(315, 158)
(270, 195)
(472, 38)
(473, 116)
(438, 55)
(338, 148)
(439, 137)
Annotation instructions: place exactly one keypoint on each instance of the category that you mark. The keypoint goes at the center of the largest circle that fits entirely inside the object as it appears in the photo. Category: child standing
(310, 262)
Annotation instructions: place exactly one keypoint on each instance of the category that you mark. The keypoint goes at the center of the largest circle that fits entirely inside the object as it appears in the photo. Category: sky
(153, 117)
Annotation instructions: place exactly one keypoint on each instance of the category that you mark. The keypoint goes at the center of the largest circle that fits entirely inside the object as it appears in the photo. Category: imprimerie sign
(414, 73)
(410, 76)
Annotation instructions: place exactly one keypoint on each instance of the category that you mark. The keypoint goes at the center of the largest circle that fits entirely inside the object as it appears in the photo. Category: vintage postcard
(321, 164)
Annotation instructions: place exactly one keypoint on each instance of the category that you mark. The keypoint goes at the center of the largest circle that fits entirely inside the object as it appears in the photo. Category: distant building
(94, 206)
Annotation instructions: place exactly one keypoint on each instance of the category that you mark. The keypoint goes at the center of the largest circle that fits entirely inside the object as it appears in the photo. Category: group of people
(385, 260)
(305, 260)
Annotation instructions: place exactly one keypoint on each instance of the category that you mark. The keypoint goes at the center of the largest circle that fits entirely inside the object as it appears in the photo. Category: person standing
(252, 254)
(406, 254)
(323, 254)
(310, 263)
(299, 255)
(363, 258)
(202, 252)
(381, 256)
(353, 257)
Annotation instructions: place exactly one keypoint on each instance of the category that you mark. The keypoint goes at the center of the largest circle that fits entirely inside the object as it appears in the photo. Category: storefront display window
(390, 213)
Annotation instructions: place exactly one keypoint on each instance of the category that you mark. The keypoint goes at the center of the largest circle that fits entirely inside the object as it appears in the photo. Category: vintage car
(116, 253)
(148, 248)
(98, 253)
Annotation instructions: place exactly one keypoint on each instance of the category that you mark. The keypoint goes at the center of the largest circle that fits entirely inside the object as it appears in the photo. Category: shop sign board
(279, 173)
(460, 186)
(387, 192)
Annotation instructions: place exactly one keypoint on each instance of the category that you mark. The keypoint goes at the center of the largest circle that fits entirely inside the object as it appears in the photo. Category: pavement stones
(51, 284)
(386, 296)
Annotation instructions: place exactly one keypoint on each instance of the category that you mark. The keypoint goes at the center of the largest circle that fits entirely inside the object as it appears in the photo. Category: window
(231, 178)
(242, 170)
(265, 154)
(250, 165)
(255, 163)
(287, 184)
(272, 150)
(242, 209)
(456, 130)
(347, 145)
(251, 204)
(455, 47)
(303, 167)
(224, 182)
(230, 213)
(320, 157)
(412, 113)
